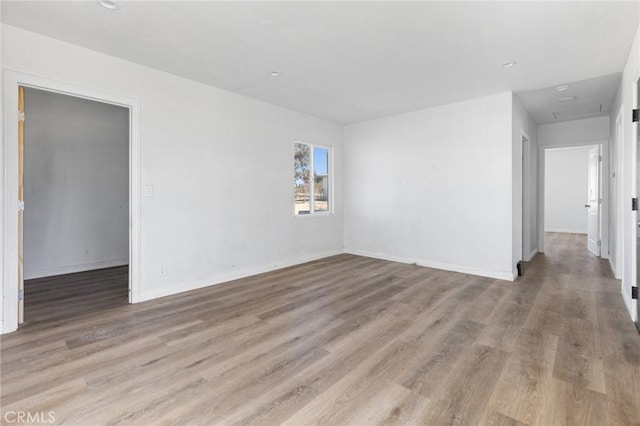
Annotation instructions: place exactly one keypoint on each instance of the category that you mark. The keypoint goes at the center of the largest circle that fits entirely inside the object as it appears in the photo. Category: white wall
(525, 167)
(628, 100)
(566, 189)
(76, 184)
(589, 129)
(2, 180)
(221, 166)
(434, 187)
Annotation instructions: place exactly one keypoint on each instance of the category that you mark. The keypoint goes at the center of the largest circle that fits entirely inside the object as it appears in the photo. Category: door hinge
(635, 115)
(20, 205)
(21, 116)
(20, 294)
(599, 200)
(634, 293)
(634, 204)
(599, 157)
(599, 243)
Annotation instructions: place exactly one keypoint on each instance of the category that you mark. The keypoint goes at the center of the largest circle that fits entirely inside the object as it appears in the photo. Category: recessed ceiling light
(509, 64)
(567, 99)
(274, 73)
(357, 104)
(562, 88)
(108, 4)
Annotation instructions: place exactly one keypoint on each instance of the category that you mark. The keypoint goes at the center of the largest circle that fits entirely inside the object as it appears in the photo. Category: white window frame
(312, 210)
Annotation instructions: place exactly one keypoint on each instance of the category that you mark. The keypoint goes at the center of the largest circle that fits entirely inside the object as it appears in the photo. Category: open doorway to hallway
(572, 197)
(76, 196)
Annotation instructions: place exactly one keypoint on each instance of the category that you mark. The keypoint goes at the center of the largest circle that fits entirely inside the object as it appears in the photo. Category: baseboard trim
(501, 275)
(567, 231)
(235, 275)
(71, 269)
(531, 255)
(613, 268)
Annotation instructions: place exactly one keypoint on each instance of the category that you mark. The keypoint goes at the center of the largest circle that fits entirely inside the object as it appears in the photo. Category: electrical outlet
(163, 271)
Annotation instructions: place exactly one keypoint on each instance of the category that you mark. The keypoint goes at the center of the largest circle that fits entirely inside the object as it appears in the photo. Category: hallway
(346, 340)
(593, 346)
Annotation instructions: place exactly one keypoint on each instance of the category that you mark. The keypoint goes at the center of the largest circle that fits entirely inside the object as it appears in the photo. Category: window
(311, 180)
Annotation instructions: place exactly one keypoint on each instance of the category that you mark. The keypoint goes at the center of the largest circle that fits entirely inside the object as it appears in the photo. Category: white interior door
(593, 204)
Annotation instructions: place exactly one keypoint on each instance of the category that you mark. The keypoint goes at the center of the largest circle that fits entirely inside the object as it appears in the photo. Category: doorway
(527, 252)
(76, 195)
(572, 197)
(13, 80)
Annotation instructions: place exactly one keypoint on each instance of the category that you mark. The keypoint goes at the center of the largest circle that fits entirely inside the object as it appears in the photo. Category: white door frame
(9, 210)
(594, 200)
(635, 140)
(617, 210)
(527, 253)
(603, 183)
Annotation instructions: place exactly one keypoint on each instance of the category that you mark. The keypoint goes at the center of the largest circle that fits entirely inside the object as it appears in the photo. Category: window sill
(317, 214)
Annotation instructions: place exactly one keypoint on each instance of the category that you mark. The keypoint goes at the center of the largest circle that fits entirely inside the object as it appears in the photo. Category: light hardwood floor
(345, 341)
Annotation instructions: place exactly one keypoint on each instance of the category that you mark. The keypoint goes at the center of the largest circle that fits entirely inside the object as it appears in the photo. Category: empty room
(341, 213)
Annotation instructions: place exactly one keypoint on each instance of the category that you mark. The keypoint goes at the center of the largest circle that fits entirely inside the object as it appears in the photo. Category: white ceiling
(581, 99)
(386, 57)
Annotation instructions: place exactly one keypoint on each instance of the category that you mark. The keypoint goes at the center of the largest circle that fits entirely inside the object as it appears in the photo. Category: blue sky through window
(321, 160)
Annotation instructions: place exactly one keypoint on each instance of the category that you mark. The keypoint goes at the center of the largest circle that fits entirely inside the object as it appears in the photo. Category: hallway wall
(626, 101)
(615, 186)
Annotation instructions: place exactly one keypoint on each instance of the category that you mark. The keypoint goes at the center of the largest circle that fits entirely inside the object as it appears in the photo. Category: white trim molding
(453, 267)
(566, 231)
(235, 275)
(72, 269)
(9, 202)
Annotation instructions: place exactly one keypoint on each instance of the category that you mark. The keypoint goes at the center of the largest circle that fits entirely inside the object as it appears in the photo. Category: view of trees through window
(311, 176)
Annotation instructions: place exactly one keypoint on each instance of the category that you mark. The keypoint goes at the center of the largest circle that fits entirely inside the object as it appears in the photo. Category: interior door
(21, 209)
(593, 205)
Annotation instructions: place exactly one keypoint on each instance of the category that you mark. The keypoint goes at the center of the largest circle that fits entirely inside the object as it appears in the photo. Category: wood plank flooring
(345, 340)
(72, 295)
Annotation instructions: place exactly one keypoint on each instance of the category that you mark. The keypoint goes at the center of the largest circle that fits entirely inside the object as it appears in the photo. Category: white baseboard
(567, 231)
(613, 268)
(70, 269)
(501, 275)
(223, 278)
